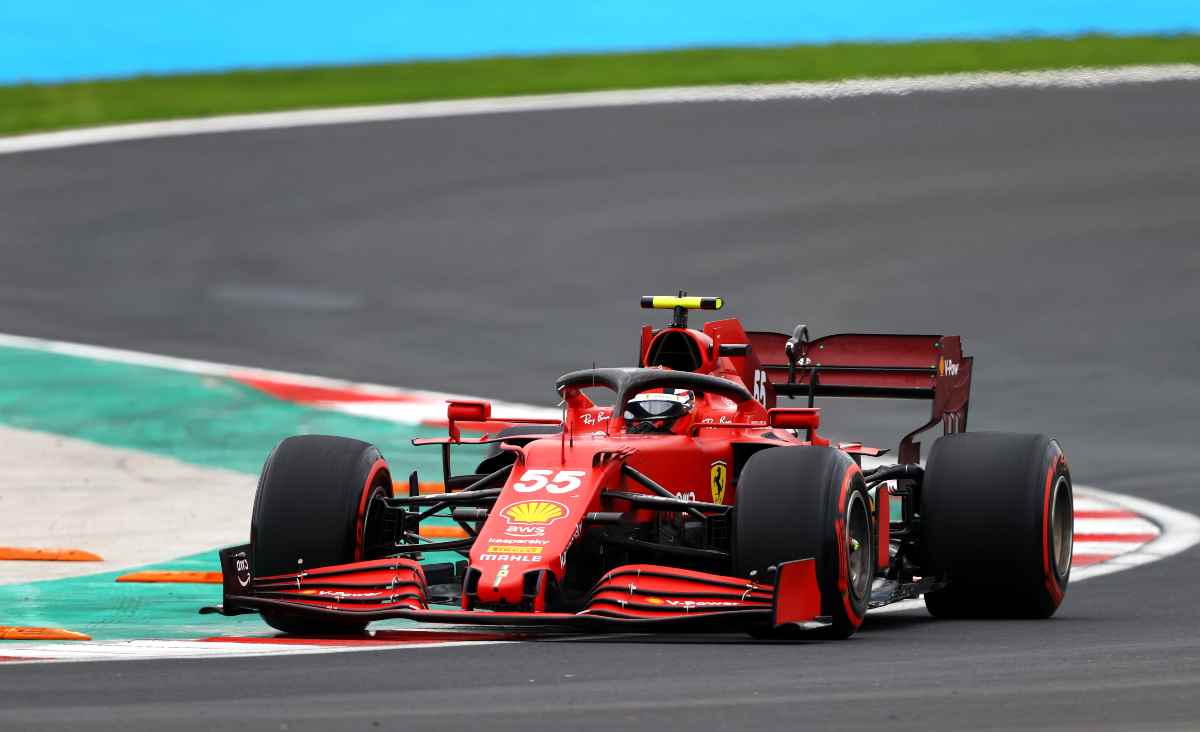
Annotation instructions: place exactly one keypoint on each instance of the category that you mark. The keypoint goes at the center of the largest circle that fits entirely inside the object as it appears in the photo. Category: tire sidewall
(853, 607)
(1055, 578)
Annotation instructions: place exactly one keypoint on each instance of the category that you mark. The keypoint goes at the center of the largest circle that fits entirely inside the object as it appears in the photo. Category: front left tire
(801, 502)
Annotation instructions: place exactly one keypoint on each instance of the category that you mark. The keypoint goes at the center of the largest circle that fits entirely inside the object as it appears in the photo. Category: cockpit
(678, 350)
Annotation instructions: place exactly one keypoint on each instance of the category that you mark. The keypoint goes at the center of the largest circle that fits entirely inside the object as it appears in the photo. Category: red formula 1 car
(684, 498)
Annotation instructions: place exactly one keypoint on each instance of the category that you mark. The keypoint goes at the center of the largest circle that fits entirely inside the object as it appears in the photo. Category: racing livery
(676, 492)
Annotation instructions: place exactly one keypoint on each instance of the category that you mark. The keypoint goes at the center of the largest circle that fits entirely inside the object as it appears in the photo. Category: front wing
(629, 596)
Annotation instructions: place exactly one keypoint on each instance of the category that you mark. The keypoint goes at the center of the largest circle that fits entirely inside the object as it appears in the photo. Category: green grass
(26, 108)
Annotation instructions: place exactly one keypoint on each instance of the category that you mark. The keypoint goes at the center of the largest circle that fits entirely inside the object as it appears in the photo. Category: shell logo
(534, 512)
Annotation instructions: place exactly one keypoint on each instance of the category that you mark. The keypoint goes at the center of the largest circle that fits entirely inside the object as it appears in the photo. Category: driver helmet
(658, 411)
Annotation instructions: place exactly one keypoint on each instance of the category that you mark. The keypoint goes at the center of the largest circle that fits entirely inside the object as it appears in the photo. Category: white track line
(1113, 526)
(413, 415)
(160, 649)
(141, 650)
(1058, 79)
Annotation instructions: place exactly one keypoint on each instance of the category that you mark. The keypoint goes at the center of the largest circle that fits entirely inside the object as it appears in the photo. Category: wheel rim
(371, 525)
(858, 545)
(1062, 526)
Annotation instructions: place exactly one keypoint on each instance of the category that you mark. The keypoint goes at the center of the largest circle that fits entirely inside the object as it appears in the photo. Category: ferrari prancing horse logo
(718, 477)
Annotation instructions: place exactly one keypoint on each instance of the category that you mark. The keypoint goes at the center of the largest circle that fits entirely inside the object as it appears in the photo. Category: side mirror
(798, 418)
(795, 418)
(466, 412)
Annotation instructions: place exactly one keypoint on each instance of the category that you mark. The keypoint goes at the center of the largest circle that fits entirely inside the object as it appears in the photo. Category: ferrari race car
(675, 493)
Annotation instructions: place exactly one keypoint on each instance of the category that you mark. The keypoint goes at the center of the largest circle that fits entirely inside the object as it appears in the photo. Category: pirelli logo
(514, 550)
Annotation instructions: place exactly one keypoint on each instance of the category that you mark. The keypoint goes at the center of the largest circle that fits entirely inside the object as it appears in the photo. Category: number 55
(564, 481)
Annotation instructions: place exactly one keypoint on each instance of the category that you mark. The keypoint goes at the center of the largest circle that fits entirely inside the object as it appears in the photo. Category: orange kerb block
(16, 553)
(401, 488)
(203, 578)
(17, 632)
(442, 532)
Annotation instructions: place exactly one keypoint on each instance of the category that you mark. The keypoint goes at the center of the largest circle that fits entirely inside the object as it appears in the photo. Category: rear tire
(792, 503)
(312, 504)
(997, 512)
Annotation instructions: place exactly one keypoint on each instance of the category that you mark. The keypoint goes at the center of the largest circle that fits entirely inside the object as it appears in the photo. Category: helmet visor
(657, 406)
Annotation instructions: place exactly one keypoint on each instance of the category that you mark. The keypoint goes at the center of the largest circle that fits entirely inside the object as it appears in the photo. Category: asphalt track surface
(1055, 230)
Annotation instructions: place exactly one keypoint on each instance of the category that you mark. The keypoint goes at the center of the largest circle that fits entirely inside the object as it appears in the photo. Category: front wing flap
(631, 595)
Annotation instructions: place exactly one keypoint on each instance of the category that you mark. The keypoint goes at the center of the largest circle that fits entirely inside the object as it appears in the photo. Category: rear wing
(871, 365)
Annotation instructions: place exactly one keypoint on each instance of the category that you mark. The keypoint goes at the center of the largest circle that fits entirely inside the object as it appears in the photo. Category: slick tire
(792, 503)
(997, 512)
(311, 505)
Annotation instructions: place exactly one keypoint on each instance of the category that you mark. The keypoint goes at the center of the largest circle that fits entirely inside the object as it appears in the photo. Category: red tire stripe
(843, 560)
(359, 523)
(1056, 592)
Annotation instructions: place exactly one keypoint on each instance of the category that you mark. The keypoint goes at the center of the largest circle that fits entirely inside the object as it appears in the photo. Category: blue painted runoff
(58, 40)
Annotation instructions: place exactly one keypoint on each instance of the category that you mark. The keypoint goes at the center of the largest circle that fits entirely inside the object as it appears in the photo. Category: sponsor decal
(500, 575)
(760, 385)
(530, 518)
(515, 549)
(718, 476)
(947, 367)
(564, 481)
(562, 558)
(522, 558)
(505, 540)
(729, 420)
(590, 419)
(688, 496)
(341, 593)
(242, 565)
(689, 604)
